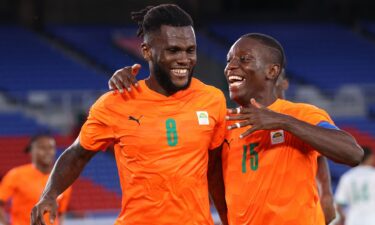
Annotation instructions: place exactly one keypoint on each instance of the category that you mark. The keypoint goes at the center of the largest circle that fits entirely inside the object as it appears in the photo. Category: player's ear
(146, 51)
(273, 71)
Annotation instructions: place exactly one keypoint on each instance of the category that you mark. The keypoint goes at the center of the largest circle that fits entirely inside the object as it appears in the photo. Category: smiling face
(43, 151)
(171, 53)
(250, 70)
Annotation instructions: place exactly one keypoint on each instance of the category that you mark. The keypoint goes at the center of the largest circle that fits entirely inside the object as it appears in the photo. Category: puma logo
(228, 142)
(135, 119)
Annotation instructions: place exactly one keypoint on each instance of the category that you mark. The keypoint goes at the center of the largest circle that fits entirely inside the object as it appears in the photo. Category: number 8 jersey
(161, 150)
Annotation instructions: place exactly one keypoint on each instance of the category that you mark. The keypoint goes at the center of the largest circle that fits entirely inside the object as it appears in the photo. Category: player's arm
(216, 183)
(335, 144)
(326, 197)
(342, 217)
(66, 170)
(343, 197)
(124, 78)
(3, 215)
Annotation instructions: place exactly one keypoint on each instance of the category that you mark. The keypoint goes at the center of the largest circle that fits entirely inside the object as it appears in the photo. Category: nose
(184, 58)
(232, 63)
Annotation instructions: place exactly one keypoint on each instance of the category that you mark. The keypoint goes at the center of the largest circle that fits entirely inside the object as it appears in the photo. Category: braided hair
(151, 18)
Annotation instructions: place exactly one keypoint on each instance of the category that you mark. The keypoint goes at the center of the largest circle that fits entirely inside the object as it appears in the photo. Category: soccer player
(161, 135)
(323, 177)
(356, 191)
(269, 169)
(23, 185)
(270, 159)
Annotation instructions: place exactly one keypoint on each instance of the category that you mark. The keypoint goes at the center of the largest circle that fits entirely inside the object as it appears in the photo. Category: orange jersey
(24, 185)
(270, 175)
(161, 150)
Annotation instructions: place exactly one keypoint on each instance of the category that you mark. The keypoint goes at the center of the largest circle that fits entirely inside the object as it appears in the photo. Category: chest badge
(277, 137)
(203, 118)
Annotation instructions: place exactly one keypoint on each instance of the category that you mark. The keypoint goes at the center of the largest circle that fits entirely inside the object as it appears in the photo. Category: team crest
(277, 137)
(203, 118)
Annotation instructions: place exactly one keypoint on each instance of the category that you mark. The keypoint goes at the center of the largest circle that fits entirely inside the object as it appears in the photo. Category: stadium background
(57, 55)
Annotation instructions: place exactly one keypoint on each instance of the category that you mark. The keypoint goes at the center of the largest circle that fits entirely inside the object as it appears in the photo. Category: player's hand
(124, 78)
(45, 205)
(328, 207)
(256, 116)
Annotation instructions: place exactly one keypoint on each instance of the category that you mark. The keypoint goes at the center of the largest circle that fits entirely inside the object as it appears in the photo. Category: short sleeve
(341, 195)
(8, 186)
(64, 199)
(319, 117)
(220, 127)
(97, 132)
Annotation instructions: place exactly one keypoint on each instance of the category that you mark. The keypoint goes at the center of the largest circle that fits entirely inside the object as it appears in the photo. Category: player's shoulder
(301, 107)
(205, 89)
(108, 99)
(20, 170)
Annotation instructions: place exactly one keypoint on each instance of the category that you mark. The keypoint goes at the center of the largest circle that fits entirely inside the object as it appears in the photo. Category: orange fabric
(270, 177)
(23, 185)
(162, 157)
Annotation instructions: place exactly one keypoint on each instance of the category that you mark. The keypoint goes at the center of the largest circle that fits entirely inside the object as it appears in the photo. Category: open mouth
(235, 80)
(180, 72)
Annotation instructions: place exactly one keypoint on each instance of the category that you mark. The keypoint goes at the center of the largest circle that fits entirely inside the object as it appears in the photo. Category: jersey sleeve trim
(327, 125)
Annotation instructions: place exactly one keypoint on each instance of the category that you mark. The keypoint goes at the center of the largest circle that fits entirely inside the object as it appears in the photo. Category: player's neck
(46, 169)
(154, 85)
(265, 99)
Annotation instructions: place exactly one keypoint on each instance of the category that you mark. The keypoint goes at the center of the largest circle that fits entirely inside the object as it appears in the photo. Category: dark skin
(255, 63)
(325, 192)
(258, 91)
(216, 183)
(251, 60)
(43, 152)
(172, 50)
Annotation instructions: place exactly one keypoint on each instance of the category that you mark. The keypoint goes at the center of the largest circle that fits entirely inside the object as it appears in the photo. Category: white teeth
(235, 84)
(234, 78)
(180, 71)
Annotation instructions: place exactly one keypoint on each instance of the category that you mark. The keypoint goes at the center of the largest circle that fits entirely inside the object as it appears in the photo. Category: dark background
(36, 13)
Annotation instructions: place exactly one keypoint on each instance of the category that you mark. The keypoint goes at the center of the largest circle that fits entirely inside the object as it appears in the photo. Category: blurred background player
(323, 176)
(23, 185)
(355, 193)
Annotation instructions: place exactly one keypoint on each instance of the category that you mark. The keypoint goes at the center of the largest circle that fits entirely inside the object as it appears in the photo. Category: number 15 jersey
(270, 175)
(161, 150)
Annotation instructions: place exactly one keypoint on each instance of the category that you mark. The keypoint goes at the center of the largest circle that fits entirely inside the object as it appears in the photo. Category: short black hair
(151, 18)
(34, 138)
(271, 43)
